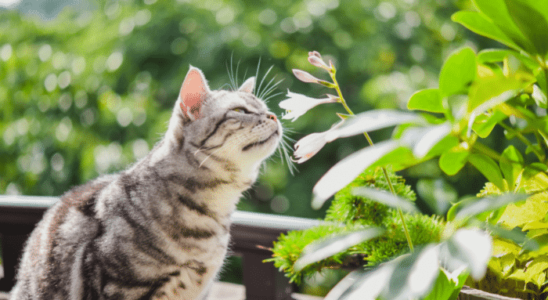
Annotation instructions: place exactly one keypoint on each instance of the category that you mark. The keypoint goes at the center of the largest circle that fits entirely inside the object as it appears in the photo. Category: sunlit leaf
(424, 139)
(372, 120)
(346, 284)
(539, 96)
(427, 100)
(488, 167)
(473, 208)
(342, 173)
(386, 198)
(458, 72)
(330, 246)
(483, 26)
(532, 24)
(484, 123)
(367, 287)
(498, 55)
(470, 248)
(534, 209)
(424, 272)
(536, 269)
(511, 164)
(490, 93)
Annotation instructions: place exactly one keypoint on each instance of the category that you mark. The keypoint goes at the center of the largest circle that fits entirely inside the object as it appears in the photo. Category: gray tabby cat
(160, 229)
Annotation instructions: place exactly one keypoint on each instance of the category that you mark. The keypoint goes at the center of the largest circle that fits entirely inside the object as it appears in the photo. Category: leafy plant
(476, 92)
(352, 212)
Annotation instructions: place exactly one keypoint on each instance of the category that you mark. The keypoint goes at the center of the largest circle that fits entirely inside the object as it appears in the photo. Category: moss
(349, 212)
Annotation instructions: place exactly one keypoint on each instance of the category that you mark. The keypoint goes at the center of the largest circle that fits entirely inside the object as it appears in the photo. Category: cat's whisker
(268, 87)
(262, 80)
(256, 90)
(271, 89)
(271, 96)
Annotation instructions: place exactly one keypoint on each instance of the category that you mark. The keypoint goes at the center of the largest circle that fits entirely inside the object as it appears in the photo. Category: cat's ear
(193, 93)
(248, 85)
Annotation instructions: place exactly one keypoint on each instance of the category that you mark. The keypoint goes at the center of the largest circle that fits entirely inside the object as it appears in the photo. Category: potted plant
(496, 241)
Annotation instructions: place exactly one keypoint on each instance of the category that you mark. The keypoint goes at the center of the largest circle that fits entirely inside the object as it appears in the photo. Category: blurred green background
(87, 88)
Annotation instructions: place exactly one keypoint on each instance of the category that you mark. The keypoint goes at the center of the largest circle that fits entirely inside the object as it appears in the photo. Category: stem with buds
(336, 86)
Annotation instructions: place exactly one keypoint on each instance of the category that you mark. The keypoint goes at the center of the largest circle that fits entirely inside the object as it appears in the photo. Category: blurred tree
(91, 90)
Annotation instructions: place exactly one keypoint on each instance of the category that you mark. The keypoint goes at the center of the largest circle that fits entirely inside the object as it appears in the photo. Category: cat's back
(51, 249)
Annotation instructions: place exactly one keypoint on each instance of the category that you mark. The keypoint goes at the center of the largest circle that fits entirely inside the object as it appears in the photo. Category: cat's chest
(189, 283)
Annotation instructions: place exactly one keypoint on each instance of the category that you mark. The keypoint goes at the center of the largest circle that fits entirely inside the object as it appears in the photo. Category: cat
(160, 229)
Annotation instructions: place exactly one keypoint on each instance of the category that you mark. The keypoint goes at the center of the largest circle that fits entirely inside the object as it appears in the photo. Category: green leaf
(489, 168)
(535, 225)
(452, 212)
(498, 55)
(342, 173)
(437, 193)
(535, 271)
(414, 274)
(373, 120)
(515, 235)
(323, 249)
(485, 123)
(427, 100)
(386, 198)
(483, 26)
(542, 81)
(458, 72)
(497, 12)
(511, 164)
(444, 288)
(474, 208)
(489, 88)
(424, 139)
(451, 162)
(534, 209)
(532, 24)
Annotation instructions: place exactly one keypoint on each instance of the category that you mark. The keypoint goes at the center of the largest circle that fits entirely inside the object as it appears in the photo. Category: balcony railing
(252, 234)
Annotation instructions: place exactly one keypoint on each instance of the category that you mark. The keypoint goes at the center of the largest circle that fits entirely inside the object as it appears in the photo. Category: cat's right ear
(193, 93)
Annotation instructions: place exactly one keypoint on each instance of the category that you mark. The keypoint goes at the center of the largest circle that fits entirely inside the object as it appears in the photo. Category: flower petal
(299, 104)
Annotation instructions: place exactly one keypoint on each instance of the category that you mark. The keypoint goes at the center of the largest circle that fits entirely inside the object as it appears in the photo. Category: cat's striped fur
(159, 230)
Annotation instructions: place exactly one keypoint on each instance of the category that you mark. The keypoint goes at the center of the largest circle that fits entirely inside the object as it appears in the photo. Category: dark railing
(252, 234)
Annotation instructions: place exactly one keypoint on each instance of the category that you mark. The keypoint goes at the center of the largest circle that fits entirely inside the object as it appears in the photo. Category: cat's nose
(272, 117)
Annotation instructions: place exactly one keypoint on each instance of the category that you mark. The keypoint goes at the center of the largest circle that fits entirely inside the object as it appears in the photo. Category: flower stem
(520, 136)
(370, 141)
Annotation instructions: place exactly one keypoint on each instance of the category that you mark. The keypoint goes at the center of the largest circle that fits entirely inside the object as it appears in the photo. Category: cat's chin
(268, 143)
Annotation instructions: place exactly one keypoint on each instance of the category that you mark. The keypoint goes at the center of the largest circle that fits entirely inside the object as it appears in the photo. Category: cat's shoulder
(83, 197)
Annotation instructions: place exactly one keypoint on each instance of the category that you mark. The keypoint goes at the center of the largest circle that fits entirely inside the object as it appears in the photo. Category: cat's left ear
(193, 93)
(248, 86)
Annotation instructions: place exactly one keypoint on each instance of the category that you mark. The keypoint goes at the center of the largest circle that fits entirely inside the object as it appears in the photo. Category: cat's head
(222, 125)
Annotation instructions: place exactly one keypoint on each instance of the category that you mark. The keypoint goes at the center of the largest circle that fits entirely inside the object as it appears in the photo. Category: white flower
(309, 145)
(298, 104)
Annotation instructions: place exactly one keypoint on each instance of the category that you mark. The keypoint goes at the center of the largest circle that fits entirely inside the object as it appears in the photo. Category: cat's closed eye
(241, 110)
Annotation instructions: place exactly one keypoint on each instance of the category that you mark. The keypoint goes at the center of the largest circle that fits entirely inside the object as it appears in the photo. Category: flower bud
(315, 53)
(318, 62)
(305, 76)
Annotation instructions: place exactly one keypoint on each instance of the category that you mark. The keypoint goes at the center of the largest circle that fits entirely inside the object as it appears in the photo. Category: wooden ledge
(223, 291)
